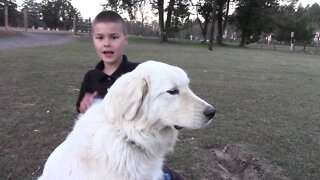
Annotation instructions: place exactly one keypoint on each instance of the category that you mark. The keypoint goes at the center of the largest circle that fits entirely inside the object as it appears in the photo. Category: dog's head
(159, 94)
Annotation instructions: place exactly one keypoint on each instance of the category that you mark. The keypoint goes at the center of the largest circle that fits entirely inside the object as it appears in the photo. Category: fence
(82, 27)
(310, 49)
(6, 18)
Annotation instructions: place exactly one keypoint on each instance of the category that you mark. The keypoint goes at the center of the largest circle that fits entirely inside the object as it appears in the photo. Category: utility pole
(25, 18)
(292, 41)
(318, 43)
(75, 25)
(6, 17)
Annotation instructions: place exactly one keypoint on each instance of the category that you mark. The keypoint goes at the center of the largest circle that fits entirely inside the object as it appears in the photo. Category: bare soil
(234, 162)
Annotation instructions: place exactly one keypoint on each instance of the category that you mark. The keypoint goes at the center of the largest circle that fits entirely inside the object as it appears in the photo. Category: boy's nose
(106, 42)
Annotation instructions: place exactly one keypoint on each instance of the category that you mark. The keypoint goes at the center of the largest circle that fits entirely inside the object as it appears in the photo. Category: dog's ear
(133, 96)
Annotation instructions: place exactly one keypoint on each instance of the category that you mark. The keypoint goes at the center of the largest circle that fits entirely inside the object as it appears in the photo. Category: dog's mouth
(177, 127)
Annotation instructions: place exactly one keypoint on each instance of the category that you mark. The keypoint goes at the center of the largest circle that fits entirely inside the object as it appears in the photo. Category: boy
(109, 37)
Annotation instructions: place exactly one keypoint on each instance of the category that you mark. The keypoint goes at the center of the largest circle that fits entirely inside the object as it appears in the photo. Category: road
(34, 39)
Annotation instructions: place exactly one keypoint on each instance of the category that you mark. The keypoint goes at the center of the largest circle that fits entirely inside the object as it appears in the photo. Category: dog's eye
(173, 91)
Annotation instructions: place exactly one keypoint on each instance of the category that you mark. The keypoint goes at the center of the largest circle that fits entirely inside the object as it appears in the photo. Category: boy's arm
(86, 95)
(80, 97)
(83, 91)
(87, 101)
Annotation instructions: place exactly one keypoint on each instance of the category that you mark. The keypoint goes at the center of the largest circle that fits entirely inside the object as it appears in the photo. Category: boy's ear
(126, 40)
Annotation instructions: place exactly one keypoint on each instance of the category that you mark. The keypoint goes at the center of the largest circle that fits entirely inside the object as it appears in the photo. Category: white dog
(128, 134)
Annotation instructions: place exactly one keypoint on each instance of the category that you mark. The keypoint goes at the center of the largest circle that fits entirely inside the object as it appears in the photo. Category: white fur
(128, 134)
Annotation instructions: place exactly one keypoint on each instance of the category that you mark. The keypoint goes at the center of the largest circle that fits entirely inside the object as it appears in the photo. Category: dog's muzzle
(177, 127)
(209, 112)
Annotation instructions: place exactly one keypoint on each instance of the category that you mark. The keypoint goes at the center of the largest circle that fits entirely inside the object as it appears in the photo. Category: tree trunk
(169, 14)
(74, 25)
(213, 21)
(220, 31)
(226, 16)
(6, 17)
(243, 39)
(220, 21)
(168, 21)
(165, 28)
(204, 29)
(161, 21)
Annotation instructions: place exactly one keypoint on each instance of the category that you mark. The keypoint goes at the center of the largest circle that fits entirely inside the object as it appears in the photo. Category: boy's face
(109, 41)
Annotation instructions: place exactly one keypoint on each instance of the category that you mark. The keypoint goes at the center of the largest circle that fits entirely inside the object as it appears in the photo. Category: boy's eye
(99, 37)
(115, 37)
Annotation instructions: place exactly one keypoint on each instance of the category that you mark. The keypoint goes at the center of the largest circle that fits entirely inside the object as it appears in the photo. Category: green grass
(267, 101)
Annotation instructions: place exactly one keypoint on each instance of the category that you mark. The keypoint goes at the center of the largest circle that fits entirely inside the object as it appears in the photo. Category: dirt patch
(233, 162)
(17, 39)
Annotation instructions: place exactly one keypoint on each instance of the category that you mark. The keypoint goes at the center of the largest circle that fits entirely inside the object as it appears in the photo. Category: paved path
(35, 39)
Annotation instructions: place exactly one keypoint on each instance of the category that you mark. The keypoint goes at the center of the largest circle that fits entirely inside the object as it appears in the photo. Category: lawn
(267, 101)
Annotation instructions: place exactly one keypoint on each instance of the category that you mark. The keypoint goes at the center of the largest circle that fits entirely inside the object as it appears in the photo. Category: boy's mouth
(107, 53)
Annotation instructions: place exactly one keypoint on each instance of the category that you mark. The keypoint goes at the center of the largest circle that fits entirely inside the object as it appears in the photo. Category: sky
(89, 9)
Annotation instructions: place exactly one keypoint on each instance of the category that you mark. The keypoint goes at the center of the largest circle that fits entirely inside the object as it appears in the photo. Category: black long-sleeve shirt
(97, 80)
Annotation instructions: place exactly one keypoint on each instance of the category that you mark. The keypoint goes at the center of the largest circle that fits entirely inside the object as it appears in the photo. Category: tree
(204, 10)
(226, 15)
(175, 10)
(314, 13)
(67, 14)
(34, 13)
(220, 8)
(190, 28)
(2, 3)
(303, 26)
(222, 18)
(130, 6)
(180, 17)
(50, 14)
(164, 26)
(299, 21)
(253, 17)
(58, 14)
(213, 21)
(285, 22)
(15, 17)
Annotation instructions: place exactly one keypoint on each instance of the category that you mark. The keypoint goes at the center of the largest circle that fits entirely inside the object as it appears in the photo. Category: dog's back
(98, 149)
(127, 136)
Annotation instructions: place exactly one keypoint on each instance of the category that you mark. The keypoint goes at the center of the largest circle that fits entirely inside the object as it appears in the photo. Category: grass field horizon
(267, 101)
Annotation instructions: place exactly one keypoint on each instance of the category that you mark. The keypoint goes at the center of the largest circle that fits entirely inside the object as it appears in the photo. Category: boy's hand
(87, 101)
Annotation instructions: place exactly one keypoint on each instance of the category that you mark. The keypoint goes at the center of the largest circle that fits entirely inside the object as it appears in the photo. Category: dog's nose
(209, 112)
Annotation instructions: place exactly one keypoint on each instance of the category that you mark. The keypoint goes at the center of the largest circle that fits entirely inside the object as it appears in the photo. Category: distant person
(109, 37)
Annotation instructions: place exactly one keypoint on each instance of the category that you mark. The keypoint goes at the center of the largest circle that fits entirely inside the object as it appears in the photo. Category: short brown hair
(110, 16)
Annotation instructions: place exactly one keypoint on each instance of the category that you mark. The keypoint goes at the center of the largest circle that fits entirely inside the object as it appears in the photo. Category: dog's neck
(136, 146)
(162, 139)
